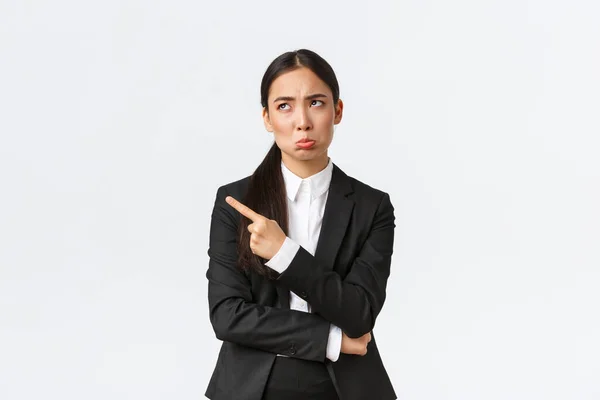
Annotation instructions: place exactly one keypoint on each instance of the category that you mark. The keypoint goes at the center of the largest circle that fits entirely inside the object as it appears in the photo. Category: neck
(305, 168)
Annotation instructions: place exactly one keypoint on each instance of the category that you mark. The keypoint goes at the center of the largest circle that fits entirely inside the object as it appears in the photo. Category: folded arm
(354, 302)
(233, 314)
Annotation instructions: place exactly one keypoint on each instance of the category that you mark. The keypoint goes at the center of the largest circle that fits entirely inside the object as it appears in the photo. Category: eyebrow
(309, 97)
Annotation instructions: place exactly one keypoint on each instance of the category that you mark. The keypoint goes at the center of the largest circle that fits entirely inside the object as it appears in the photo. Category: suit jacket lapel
(338, 210)
(336, 217)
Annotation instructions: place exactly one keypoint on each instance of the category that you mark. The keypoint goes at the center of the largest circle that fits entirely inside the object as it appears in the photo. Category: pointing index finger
(243, 209)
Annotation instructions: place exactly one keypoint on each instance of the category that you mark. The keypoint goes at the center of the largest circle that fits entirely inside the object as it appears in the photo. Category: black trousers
(296, 379)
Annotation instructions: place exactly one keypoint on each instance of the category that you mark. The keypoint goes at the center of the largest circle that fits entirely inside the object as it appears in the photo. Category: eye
(279, 107)
(316, 101)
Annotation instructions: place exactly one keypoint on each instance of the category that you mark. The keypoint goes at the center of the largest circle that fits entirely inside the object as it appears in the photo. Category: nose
(303, 122)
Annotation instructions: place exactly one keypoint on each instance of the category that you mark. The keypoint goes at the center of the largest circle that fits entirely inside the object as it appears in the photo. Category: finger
(259, 227)
(256, 228)
(253, 247)
(244, 210)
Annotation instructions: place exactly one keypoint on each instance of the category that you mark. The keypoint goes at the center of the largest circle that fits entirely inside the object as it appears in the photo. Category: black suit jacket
(344, 282)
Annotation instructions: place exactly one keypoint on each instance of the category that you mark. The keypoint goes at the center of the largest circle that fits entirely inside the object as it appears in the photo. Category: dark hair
(266, 189)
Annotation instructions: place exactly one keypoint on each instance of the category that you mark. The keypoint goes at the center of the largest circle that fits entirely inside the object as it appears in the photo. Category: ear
(339, 110)
(267, 120)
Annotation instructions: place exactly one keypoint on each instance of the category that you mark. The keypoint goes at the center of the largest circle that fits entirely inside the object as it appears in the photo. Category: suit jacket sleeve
(236, 318)
(352, 303)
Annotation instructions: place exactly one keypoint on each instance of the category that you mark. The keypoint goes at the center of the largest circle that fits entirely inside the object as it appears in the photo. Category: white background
(120, 119)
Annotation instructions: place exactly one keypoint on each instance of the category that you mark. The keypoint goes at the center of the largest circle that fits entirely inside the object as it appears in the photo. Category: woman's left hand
(266, 235)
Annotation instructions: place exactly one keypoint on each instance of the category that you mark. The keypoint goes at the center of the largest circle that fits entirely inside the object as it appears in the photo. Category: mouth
(305, 143)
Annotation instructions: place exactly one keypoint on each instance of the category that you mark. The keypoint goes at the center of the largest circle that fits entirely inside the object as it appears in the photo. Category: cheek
(325, 116)
(324, 122)
(281, 131)
(280, 124)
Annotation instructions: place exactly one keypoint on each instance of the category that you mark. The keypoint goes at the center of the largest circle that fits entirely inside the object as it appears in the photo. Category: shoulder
(221, 210)
(365, 193)
(364, 189)
(235, 189)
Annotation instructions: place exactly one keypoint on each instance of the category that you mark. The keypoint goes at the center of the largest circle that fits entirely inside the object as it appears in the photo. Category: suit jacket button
(293, 350)
(303, 295)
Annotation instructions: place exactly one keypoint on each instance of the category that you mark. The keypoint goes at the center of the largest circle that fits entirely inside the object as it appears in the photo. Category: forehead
(299, 82)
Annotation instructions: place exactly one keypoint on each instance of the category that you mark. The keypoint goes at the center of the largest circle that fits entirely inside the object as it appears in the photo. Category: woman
(299, 256)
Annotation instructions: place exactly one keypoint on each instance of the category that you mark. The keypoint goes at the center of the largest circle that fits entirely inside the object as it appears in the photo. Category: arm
(280, 261)
(354, 302)
(235, 318)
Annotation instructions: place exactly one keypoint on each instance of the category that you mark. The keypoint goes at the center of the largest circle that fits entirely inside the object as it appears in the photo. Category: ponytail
(266, 195)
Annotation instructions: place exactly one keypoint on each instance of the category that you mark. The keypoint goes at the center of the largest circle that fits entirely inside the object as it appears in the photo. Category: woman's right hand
(356, 346)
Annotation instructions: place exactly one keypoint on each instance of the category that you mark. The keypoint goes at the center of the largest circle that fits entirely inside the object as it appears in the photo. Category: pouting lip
(305, 140)
(306, 145)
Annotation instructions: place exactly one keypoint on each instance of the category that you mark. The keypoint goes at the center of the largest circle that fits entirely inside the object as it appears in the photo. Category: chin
(302, 155)
(308, 155)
